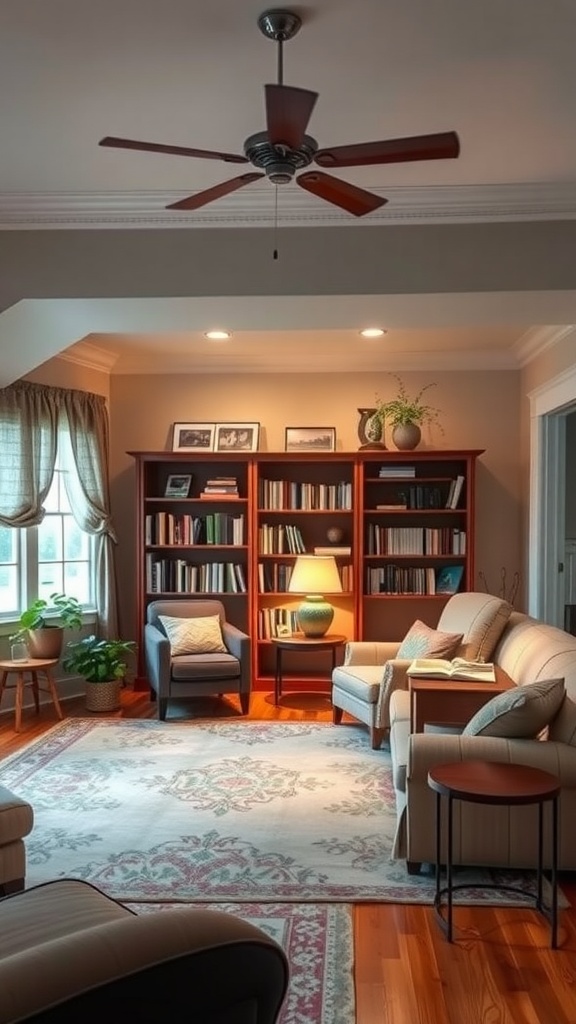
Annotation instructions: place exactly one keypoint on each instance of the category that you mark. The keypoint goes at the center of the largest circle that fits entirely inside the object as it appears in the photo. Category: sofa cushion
(481, 618)
(519, 713)
(423, 642)
(199, 635)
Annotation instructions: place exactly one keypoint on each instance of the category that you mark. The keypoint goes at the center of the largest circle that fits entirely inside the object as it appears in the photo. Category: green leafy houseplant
(36, 615)
(402, 410)
(99, 661)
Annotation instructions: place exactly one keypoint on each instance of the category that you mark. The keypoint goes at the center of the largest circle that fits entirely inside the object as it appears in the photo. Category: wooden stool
(32, 666)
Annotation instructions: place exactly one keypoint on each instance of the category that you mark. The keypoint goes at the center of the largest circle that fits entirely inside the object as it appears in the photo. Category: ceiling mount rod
(279, 25)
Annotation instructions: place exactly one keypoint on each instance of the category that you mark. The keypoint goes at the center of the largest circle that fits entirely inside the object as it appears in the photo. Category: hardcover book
(449, 578)
(458, 668)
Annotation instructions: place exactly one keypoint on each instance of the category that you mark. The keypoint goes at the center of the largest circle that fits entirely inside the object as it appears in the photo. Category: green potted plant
(43, 637)
(406, 415)
(103, 663)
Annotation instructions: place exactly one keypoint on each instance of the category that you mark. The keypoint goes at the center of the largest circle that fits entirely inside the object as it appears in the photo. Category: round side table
(493, 782)
(299, 642)
(31, 667)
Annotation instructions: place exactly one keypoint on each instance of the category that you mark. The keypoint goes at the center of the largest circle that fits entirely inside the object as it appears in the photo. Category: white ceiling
(502, 75)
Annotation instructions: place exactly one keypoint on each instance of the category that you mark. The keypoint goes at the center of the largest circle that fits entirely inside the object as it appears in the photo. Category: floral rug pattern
(216, 811)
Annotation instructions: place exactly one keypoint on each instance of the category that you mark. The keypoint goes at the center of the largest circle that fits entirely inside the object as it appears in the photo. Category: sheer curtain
(36, 424)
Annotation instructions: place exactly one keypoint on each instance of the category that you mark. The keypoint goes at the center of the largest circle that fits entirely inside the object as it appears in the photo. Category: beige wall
(478, 410)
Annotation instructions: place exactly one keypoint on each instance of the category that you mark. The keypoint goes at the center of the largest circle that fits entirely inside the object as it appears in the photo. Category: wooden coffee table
(451, 701)
(493, 782)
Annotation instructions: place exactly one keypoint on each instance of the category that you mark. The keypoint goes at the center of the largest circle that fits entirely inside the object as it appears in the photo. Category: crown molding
(255, 208)
(537, 340)
(90, 357)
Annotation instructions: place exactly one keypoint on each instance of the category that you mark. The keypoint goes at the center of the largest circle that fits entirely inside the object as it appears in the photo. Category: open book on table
(458, 668)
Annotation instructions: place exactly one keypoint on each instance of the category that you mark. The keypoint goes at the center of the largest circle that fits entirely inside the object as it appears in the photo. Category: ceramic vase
(370, 429)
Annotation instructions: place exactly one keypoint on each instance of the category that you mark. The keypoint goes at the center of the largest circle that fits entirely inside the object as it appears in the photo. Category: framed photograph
(310, 439)
(237, 437)
(178, 486)
(197, 437)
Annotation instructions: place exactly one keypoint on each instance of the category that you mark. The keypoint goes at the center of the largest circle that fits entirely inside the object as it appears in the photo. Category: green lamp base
(315, 615)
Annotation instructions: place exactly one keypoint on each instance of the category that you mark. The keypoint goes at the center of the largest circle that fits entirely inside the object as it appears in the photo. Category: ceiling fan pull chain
(275, 253)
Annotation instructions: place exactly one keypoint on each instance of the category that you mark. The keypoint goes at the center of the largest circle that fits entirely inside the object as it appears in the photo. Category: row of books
(414, 540)
(274, 577)
(288, 494)
(280, 539)
(177, 576)
(213, 528)
(277, 622)
(397, 579)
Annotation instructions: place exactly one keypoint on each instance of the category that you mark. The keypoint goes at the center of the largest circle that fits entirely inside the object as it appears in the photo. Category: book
(448, 579)
(398, 506)
(458, 668)
(454, 492)
(335, 550)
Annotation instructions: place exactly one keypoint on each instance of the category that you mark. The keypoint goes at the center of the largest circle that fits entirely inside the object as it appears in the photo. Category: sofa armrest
(394, 677)
(365, 652)
(157, 655)
(239, 644)
(415, 837)
(150, 963)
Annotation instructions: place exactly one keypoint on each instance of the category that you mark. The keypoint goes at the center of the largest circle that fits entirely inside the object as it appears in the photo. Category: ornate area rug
(279, 812)
(318, 941)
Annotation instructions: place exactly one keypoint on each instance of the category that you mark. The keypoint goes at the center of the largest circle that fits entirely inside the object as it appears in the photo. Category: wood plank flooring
(500, 970)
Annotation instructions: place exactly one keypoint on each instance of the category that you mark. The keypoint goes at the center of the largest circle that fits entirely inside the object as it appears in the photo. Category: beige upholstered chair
(371, 672)
(70, 953)
(16, 821)
(195, 674)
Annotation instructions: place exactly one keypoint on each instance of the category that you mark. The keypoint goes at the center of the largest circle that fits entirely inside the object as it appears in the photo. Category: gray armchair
(195, 675)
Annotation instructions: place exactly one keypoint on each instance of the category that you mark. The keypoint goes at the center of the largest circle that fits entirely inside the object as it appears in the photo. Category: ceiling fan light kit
(284, 148)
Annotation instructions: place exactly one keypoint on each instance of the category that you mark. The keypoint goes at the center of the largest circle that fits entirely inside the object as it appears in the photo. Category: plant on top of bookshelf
(406, 415)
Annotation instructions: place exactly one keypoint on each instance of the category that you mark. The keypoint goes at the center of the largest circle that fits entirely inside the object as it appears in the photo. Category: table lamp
(315, 575)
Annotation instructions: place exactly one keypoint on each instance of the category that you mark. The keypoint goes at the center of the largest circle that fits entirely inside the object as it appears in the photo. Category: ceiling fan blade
(157, 147)
(288, 112)
(216, 192)
(442, 146)
(341, 193)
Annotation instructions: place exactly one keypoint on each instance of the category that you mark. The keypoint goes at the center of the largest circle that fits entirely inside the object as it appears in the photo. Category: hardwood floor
(500, 970)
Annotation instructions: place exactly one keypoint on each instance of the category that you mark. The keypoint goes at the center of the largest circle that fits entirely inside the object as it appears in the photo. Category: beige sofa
(528, 651)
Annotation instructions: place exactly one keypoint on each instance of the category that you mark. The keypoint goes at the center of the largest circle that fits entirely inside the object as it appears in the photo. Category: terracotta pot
(406, 436)
(46, 642)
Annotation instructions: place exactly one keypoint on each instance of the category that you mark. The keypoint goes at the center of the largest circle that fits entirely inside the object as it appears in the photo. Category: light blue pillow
(520, 713)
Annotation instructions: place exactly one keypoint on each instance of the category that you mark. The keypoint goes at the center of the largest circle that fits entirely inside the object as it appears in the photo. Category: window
(54, 556)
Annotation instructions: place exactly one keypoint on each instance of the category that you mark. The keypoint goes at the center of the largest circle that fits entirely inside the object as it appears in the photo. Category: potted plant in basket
(103, 663)
(406, 415)
(44, 638)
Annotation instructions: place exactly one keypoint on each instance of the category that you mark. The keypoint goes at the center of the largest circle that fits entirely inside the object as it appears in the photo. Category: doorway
(552, 450)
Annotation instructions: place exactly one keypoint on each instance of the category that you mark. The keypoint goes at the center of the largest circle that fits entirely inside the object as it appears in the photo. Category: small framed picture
(282, 630)
(237, 437)
(178, 486)
(197, 437)
(310, 439)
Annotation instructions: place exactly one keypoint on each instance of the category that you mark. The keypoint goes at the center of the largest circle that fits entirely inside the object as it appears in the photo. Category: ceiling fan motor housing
(279, 162)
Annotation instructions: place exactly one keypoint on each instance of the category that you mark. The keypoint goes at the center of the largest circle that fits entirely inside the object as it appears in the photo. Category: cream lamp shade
(315, 575)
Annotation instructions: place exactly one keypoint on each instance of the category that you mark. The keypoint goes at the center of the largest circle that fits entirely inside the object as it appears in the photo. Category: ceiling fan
(284, 148)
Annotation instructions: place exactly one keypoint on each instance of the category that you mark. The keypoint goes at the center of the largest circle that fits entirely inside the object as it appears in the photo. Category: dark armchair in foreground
(69, 953)
(192, 651)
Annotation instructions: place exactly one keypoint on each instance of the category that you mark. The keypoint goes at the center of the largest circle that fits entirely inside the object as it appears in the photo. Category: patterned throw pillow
(520, 713)
(422, 642)
(201, 635)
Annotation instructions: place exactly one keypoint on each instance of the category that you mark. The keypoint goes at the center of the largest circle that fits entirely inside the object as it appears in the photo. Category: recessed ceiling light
(218, 335)
(372, 332)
